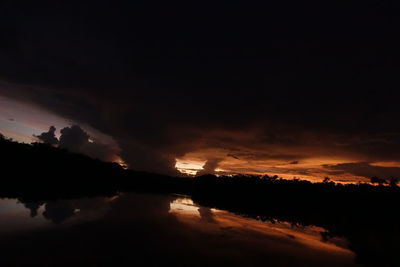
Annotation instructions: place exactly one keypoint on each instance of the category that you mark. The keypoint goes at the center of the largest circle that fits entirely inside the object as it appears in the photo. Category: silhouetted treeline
(364, 214)
(42, 171)
(367, 216)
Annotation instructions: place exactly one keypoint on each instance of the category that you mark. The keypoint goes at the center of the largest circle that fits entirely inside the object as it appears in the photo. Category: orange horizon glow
(242, 155)
(309, 237)
(283, 169)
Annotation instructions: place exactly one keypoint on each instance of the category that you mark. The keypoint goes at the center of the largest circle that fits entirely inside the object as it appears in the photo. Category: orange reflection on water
(184, 206)
(276, 235)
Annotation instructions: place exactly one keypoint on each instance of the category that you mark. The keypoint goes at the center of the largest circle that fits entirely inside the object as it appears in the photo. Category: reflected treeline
(59, 211)
(366, 215)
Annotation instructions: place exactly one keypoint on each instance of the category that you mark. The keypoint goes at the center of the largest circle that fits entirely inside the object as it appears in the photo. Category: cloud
(48, 137)
(75, 139)
(59, 211)
(32, 206)
(209, 167)
(173, 88)
(365, 169)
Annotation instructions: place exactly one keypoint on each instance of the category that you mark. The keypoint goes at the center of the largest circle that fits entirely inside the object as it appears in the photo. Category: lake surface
(155, 230)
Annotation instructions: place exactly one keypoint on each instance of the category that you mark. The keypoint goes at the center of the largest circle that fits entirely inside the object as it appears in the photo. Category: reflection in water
(18, 215)
(228, 223)
(136, 229)
(15, 217)
(184, 206)
(62, 210)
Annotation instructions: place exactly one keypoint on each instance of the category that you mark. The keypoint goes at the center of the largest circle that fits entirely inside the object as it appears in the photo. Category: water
(154, 230)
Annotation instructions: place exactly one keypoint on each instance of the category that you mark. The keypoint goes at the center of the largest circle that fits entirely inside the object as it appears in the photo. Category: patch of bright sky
(312, 168)
(21, 121)
(190, 167)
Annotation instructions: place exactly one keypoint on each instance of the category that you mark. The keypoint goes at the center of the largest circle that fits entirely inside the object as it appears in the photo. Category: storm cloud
(165, 81)
(75, 139)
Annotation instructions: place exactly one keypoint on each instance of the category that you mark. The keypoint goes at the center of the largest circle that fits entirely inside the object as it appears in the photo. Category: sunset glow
(190, 167)
(200, 134)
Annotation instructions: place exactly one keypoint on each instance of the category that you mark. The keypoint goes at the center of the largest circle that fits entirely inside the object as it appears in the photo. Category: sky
(303, 89)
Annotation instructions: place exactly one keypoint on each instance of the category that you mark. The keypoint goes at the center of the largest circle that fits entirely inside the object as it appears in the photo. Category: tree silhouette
(394, 182)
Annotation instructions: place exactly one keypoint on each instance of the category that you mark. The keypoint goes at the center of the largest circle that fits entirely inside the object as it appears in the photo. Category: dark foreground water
(155, 230)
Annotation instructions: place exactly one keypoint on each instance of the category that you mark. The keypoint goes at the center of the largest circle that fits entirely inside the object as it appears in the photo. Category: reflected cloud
(147, 229)
(60, 211)
(226, 223)
(184, 206)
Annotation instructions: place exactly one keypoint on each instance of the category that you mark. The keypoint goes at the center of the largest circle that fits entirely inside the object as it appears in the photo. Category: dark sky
(297, 88)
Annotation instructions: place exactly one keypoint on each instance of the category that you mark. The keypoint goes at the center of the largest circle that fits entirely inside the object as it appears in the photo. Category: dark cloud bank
(161, 79)
(366, 169)
(75, 139)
